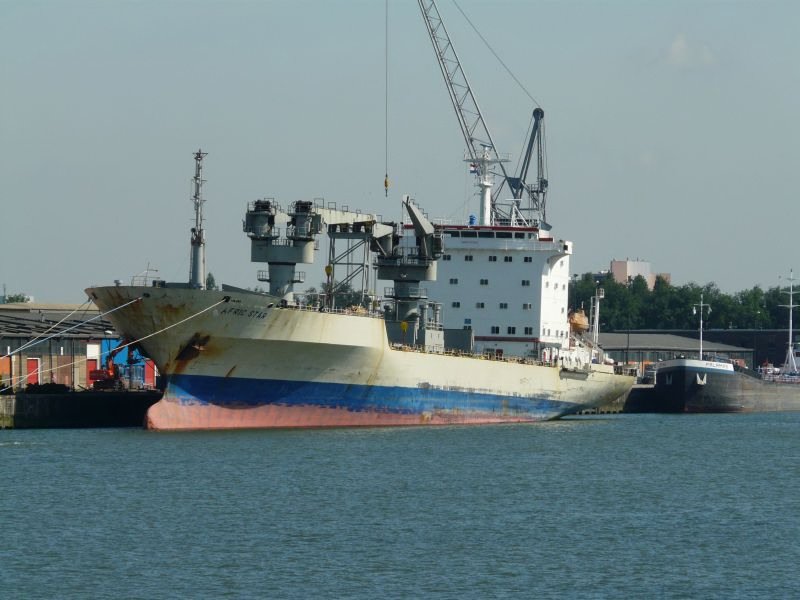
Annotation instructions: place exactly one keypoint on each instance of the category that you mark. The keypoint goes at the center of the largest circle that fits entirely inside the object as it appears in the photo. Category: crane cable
(33, 342)
(386, 101)
(524, 144)
(500, 60)
(514, 77)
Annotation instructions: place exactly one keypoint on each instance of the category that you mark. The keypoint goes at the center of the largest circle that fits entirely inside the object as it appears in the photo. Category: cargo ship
(473, 330)
(718, 384)
(233, 358)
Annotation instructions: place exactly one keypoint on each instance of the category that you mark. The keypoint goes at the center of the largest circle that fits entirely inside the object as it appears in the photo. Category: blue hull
(242, 393)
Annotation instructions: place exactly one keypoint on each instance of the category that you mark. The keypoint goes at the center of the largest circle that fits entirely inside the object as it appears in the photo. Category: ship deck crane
(536, 191)
(481, 149)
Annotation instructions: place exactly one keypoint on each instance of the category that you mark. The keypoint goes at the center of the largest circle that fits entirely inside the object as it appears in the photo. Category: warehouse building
(642, 349)
(64, 344)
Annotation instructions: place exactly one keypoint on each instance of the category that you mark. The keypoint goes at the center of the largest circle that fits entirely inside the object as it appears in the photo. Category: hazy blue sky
(672, 128)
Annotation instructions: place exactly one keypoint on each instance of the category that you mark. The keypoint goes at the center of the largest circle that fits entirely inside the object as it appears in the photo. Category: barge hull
(694, 386)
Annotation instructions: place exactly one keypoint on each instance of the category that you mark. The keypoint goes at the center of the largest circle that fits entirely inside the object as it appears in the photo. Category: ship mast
(790, 364)
(695, 307)
(197, 268)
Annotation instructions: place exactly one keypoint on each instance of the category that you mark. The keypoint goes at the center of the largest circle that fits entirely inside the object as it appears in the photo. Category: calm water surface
(678, 506)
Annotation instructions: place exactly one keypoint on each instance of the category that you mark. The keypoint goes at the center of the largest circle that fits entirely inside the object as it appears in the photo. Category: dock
(76, 409)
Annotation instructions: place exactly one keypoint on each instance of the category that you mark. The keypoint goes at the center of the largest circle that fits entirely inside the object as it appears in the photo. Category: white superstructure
(509, 285)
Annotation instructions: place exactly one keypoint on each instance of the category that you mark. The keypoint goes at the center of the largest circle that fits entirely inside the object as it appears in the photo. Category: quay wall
(76, 409)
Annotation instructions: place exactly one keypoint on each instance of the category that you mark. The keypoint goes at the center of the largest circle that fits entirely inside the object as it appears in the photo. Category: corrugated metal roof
(16, 323)
(662, 341)
(17, 307)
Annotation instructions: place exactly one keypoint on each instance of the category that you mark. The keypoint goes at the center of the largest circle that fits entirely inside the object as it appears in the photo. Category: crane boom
(481, 150)
(480, 146)
(537, 192)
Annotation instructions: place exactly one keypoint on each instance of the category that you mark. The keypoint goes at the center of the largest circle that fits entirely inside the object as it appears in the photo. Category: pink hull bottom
(168, 415)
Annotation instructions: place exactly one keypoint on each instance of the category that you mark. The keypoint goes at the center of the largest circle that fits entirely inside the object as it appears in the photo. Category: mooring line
(102, 354)
(31, 343)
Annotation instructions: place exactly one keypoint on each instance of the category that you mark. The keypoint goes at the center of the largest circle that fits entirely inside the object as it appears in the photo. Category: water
(676, 506)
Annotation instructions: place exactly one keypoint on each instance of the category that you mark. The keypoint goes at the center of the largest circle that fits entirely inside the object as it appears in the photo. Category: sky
(672, 128)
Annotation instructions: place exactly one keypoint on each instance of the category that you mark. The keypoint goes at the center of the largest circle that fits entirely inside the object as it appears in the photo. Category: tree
(11, 298)
(343, 293)
(752, 307)
(211, 283)
(581, 292)
(670, 307)
(660, 310)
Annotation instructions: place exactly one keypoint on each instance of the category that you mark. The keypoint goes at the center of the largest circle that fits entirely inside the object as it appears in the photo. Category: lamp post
(628, 343)
(599, 294)
(755, 338)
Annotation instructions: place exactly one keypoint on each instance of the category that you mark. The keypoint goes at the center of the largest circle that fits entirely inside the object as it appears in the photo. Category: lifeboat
(578, 321)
